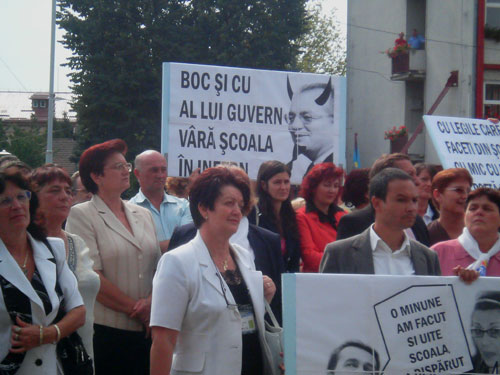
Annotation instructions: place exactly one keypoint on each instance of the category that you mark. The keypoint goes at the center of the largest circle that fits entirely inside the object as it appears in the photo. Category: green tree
(119, 47)
(63, 128)
(4, 144)
(322, 47)
(28, 144)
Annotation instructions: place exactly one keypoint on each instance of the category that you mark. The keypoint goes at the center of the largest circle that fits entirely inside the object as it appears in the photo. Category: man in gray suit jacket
(384, 248)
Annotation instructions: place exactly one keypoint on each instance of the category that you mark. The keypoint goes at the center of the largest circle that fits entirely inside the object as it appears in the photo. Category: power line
(427, 39)
(11, 72)
(348, 67)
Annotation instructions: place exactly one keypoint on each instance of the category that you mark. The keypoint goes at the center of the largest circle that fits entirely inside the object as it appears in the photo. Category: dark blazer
(355, 255)
(266, 246)
(357, 221)
(290, 164)
(291, 258)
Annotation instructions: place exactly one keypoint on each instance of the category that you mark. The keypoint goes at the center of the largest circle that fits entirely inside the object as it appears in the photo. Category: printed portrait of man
(485, 331)
(354, 357)
(311, 121)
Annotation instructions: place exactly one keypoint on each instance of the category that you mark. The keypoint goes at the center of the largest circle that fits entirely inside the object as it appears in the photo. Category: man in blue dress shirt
(168, 211)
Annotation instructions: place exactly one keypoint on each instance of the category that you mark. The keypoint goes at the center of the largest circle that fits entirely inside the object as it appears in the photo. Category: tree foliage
(119, 47)
(4, 143)
(27, 143)
(63, 128)
(322, 47)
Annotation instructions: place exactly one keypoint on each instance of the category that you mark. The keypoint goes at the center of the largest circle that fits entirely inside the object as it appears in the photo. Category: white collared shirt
(388, 262)
(173, 213)
(428, 215)
(241, 236)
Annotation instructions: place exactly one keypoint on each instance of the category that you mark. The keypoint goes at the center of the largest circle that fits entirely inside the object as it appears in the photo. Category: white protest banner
(213, 115)
(392, 325)
(468, 143)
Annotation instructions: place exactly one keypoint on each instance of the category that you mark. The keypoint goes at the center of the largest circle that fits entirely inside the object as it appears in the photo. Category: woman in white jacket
(29, 299)
(207, 312)
(52, 186)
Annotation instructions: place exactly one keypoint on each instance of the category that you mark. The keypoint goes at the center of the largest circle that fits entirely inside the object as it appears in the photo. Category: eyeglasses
(459, 190)
(22, 198)
(230, 306)
(305, 118)
(494, 333)
(121, 166)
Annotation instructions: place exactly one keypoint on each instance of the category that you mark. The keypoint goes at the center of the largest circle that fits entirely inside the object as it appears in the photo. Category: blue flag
(355, 156)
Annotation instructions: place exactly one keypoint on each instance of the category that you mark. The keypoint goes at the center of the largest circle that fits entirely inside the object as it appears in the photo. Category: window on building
(35, 103)
(492, 99)
(43, 103)
(493, 13)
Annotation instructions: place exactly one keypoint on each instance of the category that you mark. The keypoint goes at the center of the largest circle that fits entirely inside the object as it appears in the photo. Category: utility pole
(50, 124)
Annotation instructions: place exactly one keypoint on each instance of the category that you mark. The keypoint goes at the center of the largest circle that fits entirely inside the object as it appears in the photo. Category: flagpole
(355, 156)
(50, 123)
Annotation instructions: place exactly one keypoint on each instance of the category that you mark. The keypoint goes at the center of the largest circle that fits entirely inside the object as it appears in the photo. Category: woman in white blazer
(52, 186)
(29, 302)
(208, 309)
(123, 245)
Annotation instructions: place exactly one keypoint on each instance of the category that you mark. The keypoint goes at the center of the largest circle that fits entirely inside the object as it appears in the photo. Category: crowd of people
(162, 284)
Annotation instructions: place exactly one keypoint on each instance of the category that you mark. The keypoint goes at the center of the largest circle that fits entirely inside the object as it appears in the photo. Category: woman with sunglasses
(207, 315)
(123, 245)
(34, 281)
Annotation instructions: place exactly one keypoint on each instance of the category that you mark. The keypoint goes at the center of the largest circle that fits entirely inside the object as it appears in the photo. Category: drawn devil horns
(320, 100)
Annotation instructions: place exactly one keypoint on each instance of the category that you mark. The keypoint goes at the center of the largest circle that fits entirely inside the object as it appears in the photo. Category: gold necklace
(23, 267)
(224, 265)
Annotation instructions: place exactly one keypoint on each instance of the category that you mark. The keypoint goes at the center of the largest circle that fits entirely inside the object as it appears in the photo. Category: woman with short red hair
(123, 245)
(450, 189)
(317, 220)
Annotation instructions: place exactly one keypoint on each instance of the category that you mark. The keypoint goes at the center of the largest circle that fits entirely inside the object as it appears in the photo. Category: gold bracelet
(58, 333)
(41, 335)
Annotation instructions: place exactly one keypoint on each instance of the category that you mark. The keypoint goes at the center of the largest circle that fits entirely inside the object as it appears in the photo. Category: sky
(25, 45)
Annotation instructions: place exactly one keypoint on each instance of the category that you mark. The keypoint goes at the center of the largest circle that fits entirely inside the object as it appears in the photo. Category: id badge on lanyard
(248, 324)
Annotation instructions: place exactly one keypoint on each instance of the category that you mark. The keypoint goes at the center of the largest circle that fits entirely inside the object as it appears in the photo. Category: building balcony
(409, 66)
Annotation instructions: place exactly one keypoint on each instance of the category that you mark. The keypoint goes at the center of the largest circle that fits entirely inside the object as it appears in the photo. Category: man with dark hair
(354, 357)
(385, 248)
(310, 122)
(356, 222)
(396, 160)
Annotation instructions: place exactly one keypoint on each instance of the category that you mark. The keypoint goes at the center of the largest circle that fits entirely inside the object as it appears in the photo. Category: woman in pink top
(478, 247)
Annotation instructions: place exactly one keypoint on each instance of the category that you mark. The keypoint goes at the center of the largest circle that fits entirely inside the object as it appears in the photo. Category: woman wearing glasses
(207, 315)
(122, 241)
(478, 247)
(33, 273)
(449, 194)
(485, 331)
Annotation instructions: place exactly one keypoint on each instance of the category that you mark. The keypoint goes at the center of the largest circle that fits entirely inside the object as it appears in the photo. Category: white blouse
(41, 359)
(79, 262)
